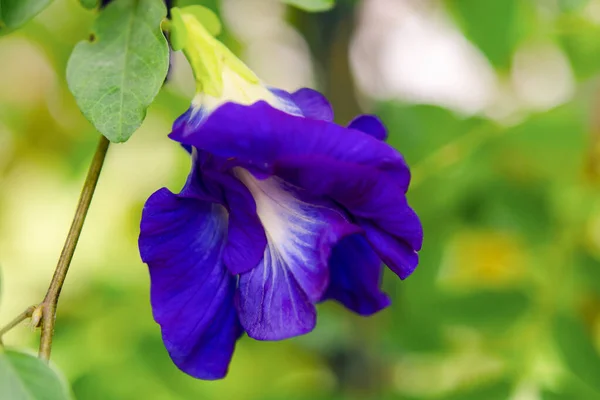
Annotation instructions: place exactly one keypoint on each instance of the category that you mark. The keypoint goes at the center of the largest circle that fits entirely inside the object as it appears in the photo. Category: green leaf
(26, 377)
(89, 4)
(563, 129)
(577, 350)
(116, 76)
(311, 5)
(486, 310)
(495, 26)
(419, 130)
(578, 36)
(15, 13)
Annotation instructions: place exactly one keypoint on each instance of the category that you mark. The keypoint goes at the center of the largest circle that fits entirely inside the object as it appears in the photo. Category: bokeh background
(495, 105)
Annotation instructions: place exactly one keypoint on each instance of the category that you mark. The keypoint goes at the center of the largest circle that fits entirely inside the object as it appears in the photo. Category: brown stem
(16, 321)
(48, 306)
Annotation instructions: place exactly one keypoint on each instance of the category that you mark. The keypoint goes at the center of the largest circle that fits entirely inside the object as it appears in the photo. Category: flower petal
(308, 103)
(192, 292)
(211, 180)
(397, 254)
(246, 239)
(191, 119)
(276, 298)
(367, 193)
(300, 232)
(355, 276)
(271, 304)
(313, 104)
(373, 200)
(257, 136)
(369, 124)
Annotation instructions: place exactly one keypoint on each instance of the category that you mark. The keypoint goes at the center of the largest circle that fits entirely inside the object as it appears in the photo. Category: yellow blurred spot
(483, 258)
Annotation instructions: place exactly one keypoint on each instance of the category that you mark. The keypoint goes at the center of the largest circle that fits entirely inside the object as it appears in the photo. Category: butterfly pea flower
(283, 209)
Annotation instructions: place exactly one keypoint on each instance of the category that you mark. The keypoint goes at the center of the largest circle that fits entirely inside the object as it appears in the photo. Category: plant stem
(16, 321)
(48, 306)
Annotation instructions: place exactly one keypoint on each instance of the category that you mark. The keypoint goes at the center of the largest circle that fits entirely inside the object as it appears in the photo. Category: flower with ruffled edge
(283, 209)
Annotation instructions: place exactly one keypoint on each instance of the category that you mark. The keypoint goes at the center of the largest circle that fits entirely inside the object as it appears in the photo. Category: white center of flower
(278, 210)
(295, 230)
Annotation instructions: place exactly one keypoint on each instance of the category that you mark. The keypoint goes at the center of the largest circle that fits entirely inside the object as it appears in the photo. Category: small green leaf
(311, 5)
(26, 377)
(15, 13)
(207, 18)
(496, 26)
(89, 4)
(178, 32)
(116, 76)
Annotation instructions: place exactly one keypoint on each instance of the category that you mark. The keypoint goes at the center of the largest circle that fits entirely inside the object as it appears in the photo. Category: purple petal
(373, 200)
(212, 180)
(191, 119)
(275, 299)
(198, 185)
(367, 193)
(369, 124)
(355, 276)
(259, 135)
(271, 304)
(300, 232)
(398, 255)
(285, 102)
(313, 104)
(192, 292)
(246, 239)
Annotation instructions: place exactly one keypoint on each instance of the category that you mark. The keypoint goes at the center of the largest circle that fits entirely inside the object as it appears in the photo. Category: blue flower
(283, 209)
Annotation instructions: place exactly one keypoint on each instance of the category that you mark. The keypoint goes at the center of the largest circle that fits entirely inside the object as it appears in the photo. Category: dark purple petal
(398, 255)
(369, 124)
(313, 104)
(271, 304)
(355, 276)
(246, 239)
(257, 136)
(192, 292)
(198, 185)
(367, 193)
(211, 180)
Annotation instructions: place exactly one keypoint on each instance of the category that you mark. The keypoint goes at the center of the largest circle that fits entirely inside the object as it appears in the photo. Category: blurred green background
(495, 105)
